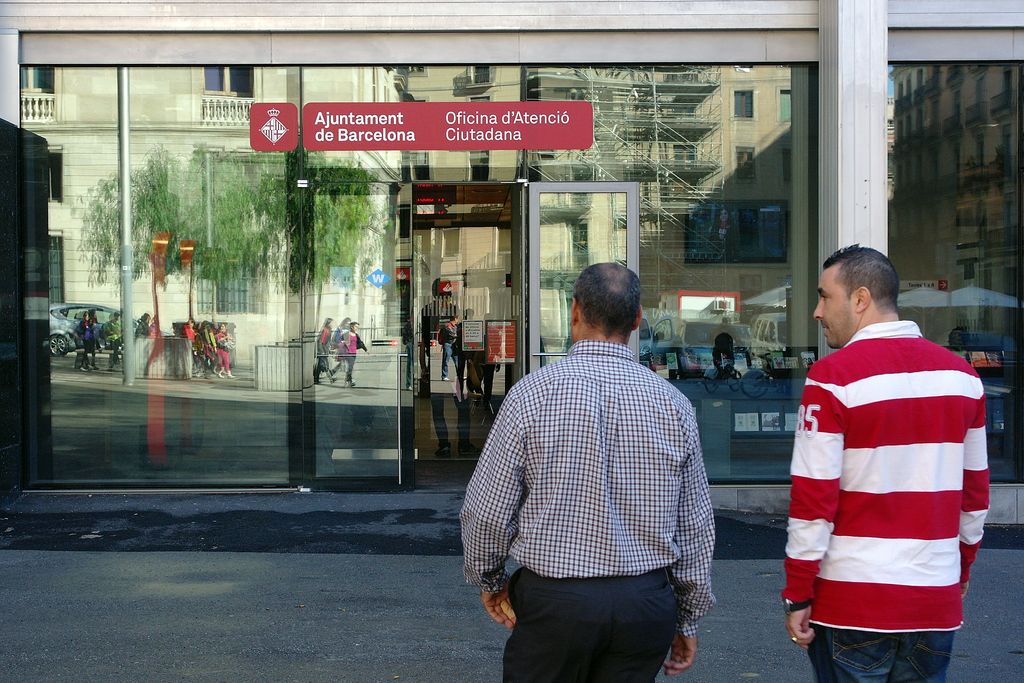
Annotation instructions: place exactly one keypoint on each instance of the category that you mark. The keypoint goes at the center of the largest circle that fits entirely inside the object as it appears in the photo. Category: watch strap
(796, 606)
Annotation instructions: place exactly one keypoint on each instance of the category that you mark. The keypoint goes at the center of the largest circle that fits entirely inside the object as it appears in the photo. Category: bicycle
(714, 377)
(754, 383)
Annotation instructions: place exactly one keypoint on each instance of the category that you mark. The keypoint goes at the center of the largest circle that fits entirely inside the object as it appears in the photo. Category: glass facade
(139, 330)
(954, 225)
(274, 256)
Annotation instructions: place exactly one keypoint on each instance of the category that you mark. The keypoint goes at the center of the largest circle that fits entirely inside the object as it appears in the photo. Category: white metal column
(10, 78)
(854, 76)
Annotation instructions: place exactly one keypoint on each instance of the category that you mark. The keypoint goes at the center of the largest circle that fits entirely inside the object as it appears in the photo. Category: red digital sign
(338, 126)
(432, 199)
(433, 193)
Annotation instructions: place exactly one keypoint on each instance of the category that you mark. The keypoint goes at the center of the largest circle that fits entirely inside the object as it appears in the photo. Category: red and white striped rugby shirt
(890, 484)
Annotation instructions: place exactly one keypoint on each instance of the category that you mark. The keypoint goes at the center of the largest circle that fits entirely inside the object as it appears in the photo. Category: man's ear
(639, 317)
(862, 299)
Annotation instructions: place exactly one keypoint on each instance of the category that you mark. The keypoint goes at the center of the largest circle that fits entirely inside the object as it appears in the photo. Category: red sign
(501, 341)
(273, 126)
(336, 126)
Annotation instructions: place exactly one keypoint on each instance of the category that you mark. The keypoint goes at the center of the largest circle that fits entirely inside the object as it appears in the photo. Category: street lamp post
(188, 250)
(158, 260)
(156, 446)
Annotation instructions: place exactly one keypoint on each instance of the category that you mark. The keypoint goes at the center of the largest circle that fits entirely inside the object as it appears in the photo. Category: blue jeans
(447, 353)
(849, 656)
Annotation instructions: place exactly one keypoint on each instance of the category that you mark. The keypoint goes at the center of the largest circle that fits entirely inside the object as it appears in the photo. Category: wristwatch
(791, 606)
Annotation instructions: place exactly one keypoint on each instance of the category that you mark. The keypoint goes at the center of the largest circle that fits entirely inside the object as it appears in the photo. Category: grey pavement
(357, 587)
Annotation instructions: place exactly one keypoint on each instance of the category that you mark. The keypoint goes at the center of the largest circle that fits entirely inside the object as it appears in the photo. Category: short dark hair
(608, 295)
(869, 268)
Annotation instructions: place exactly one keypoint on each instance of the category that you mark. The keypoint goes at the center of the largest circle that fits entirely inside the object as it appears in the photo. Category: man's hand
(682, 656)
(963, 589)
(798, 624)
(499, 607)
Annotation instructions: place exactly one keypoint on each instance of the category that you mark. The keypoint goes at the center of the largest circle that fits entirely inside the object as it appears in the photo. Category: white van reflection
(769, 332)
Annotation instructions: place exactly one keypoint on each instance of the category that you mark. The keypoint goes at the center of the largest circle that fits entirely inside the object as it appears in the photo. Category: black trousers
(616, 629)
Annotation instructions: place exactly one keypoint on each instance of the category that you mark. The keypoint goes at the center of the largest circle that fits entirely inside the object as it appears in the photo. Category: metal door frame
(532, 308)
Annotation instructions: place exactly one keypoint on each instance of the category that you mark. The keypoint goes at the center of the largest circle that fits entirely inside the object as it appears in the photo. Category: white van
(770, 333)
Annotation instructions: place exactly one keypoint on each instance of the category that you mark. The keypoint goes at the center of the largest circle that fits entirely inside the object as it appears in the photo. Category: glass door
(572, 226)
(354, 358)
(465, 266)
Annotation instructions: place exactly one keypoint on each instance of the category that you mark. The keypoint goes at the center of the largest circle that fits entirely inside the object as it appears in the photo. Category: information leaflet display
(501, 341)
(473, 335)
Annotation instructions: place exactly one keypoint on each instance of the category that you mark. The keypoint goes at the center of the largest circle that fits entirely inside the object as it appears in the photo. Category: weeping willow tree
(244, 213)
(327, 227)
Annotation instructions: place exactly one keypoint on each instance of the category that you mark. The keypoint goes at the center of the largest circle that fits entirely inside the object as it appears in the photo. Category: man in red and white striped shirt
(890, 486)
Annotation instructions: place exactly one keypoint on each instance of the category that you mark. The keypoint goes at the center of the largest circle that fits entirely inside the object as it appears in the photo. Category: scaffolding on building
(658, 126)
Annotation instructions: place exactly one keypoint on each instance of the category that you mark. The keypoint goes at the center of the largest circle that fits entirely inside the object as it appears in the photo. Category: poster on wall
(746, 422)
(501, 341)
(771, 422)
(473, 335)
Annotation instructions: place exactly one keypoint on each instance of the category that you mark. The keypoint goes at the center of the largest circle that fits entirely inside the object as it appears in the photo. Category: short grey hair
(608, 296)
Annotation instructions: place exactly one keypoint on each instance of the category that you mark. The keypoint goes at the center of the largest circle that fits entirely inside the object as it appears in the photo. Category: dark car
(64, 321)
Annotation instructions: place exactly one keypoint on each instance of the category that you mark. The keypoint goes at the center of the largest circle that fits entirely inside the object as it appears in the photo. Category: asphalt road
(358, 587)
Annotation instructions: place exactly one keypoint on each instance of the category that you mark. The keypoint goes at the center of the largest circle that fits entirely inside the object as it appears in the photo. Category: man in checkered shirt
(592, 479)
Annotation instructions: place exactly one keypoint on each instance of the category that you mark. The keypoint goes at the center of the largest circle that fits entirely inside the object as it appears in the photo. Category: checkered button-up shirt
(593, 468)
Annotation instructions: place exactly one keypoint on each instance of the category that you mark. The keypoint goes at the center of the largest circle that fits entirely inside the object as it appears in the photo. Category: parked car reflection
(685, 347)
(64, 321)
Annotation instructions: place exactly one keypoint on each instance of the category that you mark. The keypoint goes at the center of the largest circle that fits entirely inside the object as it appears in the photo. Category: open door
(465, 246)
(572, 226)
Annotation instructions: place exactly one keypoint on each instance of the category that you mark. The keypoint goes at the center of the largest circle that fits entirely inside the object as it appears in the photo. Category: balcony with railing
(932, 85)
(38, 107)
(976, 113)
(952, 123)
(974, 175)
(1002, 102)
(473, 81)
(931, 130)
(223, 110)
